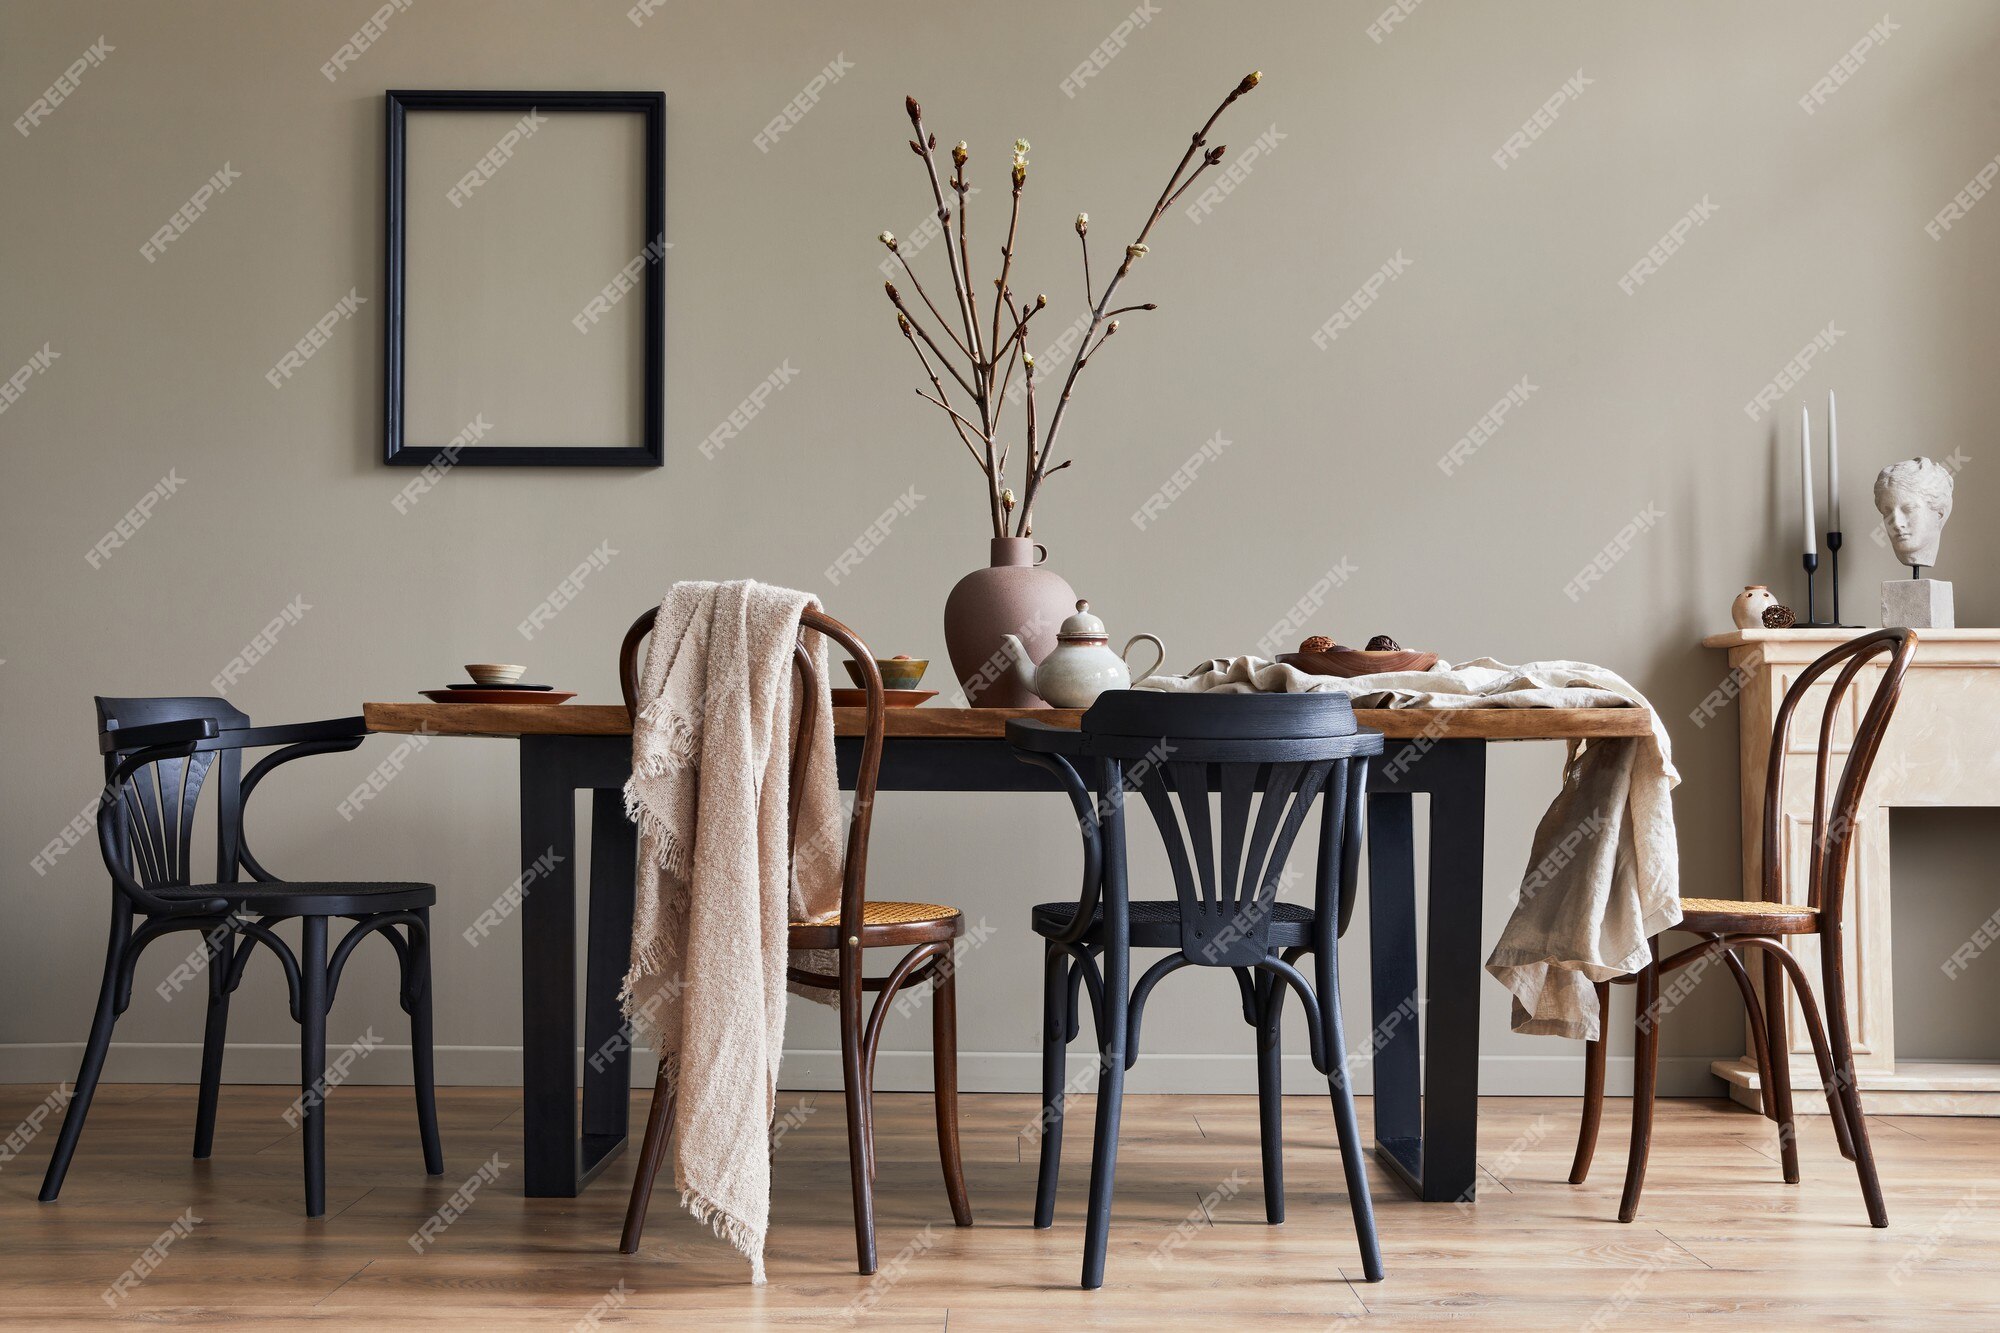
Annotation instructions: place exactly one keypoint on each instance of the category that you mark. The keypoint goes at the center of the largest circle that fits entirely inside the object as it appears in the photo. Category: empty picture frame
(526, 279)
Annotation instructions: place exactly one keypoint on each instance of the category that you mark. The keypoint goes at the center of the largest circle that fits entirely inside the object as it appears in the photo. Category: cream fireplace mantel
(1942, 749)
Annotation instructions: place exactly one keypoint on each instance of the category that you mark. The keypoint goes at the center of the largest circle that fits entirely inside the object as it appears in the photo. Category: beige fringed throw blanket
(710, 787)
(1604, 873)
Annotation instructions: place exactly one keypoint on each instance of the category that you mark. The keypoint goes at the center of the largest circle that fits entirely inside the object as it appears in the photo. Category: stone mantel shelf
(1942, 749)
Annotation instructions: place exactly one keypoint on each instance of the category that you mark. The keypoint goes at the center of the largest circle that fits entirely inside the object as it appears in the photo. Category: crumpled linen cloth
(717, 883)
(1604, 871)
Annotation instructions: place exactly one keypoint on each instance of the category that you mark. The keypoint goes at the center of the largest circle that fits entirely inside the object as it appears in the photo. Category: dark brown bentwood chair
(1726, 926)
(925, 929)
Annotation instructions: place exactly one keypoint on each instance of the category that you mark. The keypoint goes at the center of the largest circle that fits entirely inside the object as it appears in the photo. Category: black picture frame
(650, 451)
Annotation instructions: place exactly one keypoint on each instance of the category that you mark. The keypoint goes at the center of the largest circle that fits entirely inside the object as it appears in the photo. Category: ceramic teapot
(1081, 666)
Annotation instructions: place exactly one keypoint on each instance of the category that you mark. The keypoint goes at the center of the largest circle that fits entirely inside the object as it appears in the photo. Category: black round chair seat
(311, 897)
(1157, 924)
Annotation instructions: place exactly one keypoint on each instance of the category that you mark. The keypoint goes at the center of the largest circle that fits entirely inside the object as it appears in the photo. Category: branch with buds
(983, 367)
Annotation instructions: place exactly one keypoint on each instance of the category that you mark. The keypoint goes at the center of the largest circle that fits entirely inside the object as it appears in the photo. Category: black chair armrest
(307, 738)
(114, 739)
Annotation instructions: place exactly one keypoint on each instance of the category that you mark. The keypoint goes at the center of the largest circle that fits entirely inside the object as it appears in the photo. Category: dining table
(1424, 1047)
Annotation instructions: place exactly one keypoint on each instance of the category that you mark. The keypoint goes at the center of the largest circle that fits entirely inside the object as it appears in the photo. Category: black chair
(157, 754)
(1175, 750)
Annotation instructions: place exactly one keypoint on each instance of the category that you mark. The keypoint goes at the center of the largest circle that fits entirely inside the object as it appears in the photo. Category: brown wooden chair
(925, 930)
(1725, 926)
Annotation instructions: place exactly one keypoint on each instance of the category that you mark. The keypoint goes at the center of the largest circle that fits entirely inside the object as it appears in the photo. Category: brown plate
(1358, 662)
(890, 698)
(498, 696)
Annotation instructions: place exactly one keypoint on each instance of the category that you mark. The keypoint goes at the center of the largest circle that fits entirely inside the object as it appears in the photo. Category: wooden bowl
(1349, 662)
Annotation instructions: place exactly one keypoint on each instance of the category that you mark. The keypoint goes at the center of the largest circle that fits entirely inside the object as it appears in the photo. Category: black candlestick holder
(1811, 561)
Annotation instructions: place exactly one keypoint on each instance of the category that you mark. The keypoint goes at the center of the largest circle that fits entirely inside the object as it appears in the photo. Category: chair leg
(421, 1054)
(652, 1152)
(1055, 1047)
(1104, 1146)
(312, 1058)
(1593, 1089)
(94, 1051)
(1270, 1096)
(1833, 972)
(214, 1034)
(944, 1083)
(854, 1087)
(1352, 1162)
(1645, 1076)
(1778, 1068)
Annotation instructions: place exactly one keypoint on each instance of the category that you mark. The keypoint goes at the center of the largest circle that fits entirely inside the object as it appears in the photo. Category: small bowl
(494, 673)
(898, 673)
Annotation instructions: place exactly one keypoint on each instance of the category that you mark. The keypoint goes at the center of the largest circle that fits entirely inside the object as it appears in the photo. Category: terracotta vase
(1014, 595)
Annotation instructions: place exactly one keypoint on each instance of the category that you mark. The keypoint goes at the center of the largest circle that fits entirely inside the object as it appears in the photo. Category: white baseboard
(1555, 1074)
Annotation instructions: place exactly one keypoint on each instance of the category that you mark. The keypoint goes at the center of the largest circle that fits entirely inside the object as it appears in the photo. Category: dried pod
(1318, 643)
(1382, 643)
(1779, 617)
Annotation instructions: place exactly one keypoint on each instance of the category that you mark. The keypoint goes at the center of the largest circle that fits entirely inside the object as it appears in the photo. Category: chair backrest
(1270, 757)
(1833, 820)
(805, 675)
(153, 819)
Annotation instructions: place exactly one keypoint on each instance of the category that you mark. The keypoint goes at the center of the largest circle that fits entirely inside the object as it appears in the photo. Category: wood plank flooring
(1719, 1233)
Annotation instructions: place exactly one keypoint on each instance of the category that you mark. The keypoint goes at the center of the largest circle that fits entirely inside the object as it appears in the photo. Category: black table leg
(550, 1148)
(559, 1159)
(1428, 1134)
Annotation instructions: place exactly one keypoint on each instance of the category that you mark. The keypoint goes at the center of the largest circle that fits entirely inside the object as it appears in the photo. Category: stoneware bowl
(898, 673)
(494, 673)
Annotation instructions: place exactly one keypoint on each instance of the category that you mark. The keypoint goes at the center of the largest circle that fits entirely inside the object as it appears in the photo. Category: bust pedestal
(1917, 604)
(1942, 749)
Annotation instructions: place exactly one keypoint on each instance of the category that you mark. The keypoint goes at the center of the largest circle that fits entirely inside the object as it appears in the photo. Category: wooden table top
(1500, 724)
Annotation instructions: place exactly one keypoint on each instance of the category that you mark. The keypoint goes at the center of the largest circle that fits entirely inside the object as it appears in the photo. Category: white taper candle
(1832, 466)
(1805, 478)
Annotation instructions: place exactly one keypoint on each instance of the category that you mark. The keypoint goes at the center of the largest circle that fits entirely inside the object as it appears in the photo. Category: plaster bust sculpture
(1914, 497)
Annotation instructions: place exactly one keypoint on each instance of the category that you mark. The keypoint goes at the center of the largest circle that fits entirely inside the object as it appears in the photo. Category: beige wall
(1386, 150)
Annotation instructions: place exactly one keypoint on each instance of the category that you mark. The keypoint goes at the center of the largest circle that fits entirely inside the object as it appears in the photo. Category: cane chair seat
(885, 923)
(1747, 916)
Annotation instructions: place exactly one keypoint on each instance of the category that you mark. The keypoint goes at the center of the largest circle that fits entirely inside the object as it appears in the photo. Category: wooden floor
(1719, 1232)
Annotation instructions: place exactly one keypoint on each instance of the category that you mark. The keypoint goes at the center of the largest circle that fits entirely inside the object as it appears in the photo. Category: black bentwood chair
(1173, 751)
(157, 754)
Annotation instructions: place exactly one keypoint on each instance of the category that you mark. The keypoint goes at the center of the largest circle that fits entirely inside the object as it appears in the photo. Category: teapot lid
(1082, 625)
